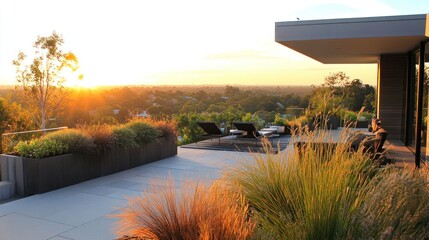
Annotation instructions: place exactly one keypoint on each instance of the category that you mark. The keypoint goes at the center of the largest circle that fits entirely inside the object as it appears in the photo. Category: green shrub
(40, 148)
(350, 116)
(278, 120)
(366, 115)
(145, 133)
(298, 123)
(76, 140)
(124, 137)
(255, 119)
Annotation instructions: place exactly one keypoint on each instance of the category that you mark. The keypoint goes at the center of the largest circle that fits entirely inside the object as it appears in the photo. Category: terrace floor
(84, 211)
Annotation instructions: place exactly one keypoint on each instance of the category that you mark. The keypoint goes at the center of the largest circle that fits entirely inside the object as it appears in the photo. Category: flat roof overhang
(353, 40)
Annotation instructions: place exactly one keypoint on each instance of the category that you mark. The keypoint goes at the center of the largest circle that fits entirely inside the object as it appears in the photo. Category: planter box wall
(357, 124)
(114, 161)
(33, 176)
(333, 122)
(168, 148)
(80, 167)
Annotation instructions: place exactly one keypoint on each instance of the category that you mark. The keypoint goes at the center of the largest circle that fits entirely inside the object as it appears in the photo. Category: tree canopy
(338, 92)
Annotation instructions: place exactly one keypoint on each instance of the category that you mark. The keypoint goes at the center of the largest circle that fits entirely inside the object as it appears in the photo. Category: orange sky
(181, 42)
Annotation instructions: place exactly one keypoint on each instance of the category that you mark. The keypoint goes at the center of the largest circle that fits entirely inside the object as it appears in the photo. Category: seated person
(375, 144)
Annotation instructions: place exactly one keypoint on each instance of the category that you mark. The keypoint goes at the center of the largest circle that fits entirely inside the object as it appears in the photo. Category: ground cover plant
(40, 148)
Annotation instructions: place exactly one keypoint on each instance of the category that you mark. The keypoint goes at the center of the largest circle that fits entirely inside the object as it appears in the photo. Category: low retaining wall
(27, 176)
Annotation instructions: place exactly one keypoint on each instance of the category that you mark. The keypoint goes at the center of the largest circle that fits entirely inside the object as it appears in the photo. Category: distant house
(398, 44)
(190, 98)
(143, 114)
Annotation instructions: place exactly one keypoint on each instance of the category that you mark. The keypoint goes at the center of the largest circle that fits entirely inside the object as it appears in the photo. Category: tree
(358, 95)
(336, 80)
(12, 119)
(42, 79)
(339, 93)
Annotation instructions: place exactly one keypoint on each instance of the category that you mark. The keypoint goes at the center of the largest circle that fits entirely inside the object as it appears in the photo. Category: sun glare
(77, 80)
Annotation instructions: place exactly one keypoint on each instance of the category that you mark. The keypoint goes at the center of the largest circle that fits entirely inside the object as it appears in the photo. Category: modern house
(397, 44)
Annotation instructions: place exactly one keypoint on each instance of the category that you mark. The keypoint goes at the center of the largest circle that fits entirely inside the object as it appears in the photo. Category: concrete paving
(84, 211)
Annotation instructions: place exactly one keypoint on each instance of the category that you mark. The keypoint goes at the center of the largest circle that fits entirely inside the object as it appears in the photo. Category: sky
(187, 42)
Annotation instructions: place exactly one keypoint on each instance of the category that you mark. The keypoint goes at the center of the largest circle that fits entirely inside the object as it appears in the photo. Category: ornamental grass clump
(168, 128)
(145, 133)
(124, 137)
(311, 192)
(395, 207)
(76, 140)
(194, 211)
(102, 136)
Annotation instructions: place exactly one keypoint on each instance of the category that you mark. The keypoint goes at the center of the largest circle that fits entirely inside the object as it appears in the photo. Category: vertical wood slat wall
(391, 92)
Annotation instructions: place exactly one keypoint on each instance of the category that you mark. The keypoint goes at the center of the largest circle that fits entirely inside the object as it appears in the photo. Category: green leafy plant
(350, 116)
(253, 118)
(76, 140)
(40, 148)
(278, 120)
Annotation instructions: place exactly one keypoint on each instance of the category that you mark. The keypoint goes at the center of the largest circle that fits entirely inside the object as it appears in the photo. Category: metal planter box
(33, 176)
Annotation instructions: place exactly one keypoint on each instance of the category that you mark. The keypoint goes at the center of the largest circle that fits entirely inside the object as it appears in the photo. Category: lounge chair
(247, 127)
(212, 130)
(251, 131)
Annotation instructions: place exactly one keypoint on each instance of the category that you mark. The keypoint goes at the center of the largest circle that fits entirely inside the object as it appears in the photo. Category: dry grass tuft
(167, 127)
(197, 212)
(396, 206)
(102, 135)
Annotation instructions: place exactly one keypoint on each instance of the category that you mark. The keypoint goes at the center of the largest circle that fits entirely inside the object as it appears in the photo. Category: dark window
(412, 100)
(424, 154)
